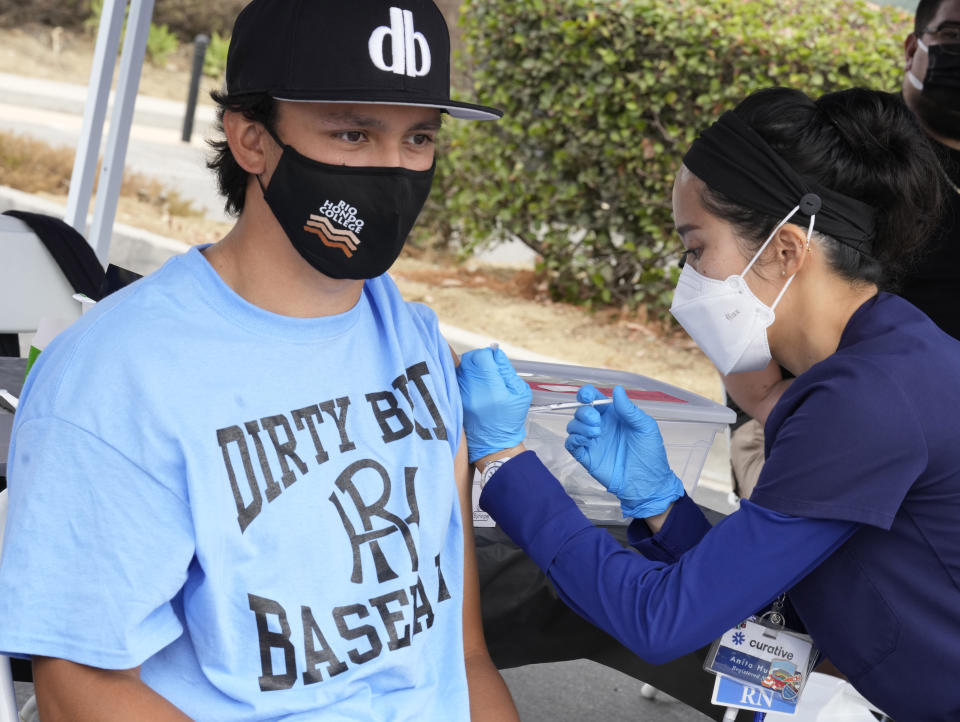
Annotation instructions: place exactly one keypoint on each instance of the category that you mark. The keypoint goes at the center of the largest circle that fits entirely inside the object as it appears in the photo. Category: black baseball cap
(392, 52)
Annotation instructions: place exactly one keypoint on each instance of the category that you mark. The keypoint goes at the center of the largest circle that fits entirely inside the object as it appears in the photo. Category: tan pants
(746, 457)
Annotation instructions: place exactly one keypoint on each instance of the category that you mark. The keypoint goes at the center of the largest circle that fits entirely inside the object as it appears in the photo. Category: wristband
(491, 469)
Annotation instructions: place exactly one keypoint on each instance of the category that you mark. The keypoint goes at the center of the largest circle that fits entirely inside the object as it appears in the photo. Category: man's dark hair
(231, 178)
(926, 11)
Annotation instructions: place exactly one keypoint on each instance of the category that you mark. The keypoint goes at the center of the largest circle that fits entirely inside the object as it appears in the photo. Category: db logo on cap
(404, 42)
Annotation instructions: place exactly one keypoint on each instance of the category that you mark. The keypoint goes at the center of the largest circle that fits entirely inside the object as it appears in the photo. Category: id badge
(764, 657)
(731, 693)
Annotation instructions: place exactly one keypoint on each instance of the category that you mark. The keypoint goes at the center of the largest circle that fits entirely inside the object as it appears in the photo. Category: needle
(569, 405)
(562, 404)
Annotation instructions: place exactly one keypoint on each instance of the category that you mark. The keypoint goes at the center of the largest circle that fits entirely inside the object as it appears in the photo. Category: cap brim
(464, 111)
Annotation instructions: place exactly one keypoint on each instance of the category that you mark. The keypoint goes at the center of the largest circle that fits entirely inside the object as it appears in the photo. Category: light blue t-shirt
(260, 510)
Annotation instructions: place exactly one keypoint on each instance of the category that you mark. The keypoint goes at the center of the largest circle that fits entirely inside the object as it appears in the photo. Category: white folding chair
(32, 286)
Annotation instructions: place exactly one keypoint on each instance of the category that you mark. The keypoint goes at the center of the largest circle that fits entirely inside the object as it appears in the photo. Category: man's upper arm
(113, 543)
(71, 692)
(472, 617)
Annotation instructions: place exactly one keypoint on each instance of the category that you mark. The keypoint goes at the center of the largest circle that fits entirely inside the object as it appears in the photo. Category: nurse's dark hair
(231, 178)
(862, 143)
(926, 12)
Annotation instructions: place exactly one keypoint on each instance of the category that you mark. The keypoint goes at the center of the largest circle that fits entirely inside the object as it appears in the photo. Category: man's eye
(352, 136)
(421, 139)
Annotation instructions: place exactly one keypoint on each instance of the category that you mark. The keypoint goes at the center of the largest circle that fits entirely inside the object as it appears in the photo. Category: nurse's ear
(790, 249)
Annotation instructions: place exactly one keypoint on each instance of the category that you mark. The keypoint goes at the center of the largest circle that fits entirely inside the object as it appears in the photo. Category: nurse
(794, 213)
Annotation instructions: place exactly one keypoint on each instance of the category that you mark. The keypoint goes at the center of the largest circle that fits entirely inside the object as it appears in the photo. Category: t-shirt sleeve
(843, 443)
(94, 551)
(444, 357)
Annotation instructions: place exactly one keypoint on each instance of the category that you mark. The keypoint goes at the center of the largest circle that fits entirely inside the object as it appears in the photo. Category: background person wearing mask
(931, 90)
(792, 212)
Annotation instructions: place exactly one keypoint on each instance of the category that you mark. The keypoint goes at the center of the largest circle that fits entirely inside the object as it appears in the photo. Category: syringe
(563, 404)
(569, 405)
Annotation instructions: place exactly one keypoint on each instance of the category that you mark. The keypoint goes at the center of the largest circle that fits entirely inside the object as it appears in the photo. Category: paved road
(562, 692)
(53, 112)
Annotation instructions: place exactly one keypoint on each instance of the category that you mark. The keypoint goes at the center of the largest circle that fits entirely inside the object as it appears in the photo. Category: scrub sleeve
(684, 588)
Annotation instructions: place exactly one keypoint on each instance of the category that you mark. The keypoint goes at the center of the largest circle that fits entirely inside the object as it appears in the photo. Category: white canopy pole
(95, 110)
(128, 81)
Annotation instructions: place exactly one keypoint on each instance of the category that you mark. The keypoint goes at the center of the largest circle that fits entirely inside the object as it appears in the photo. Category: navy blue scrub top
(855, 515)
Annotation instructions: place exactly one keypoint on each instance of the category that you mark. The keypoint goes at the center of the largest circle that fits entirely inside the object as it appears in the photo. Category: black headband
(732, 158)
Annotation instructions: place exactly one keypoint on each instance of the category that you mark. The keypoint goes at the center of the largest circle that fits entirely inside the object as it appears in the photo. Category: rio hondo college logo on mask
(343, 214)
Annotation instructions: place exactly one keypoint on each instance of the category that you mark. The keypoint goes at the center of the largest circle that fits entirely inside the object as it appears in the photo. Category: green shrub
(215, 61)
(181, 19)
(601, 100)
(91, 23)
(161, 43)
(189, 18)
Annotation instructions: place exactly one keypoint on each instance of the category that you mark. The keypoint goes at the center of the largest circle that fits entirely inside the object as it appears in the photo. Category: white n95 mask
(724, 318)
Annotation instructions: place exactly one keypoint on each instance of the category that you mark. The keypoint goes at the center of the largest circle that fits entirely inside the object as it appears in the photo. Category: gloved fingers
(480, 362)
(589, 393)
(588, 415)
(577, 446)
(634, 417)
(509, 374)
(584, 429)
(469, 358)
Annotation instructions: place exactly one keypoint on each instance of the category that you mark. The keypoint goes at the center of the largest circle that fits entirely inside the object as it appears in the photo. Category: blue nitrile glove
(495, 402)
(621, 447)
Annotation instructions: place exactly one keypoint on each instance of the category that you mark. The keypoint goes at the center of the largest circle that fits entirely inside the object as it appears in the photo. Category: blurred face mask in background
(939, 102)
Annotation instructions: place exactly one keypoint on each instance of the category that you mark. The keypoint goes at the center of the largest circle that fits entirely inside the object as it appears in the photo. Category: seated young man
(239, 486)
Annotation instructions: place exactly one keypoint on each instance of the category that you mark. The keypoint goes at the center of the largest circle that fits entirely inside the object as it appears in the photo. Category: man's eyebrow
(428, 125)
(351, 119)
(356, 120)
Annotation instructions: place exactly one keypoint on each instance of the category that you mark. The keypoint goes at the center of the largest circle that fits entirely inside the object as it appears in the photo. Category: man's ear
(247, 141)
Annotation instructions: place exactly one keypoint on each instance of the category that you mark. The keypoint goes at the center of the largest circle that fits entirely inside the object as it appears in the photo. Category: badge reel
(760, 664)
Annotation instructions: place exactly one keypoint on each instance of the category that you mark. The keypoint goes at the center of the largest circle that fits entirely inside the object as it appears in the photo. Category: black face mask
(938, 104)
(346, 221)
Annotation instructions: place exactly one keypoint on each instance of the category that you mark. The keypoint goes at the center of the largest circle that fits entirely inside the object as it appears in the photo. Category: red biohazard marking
(633, 394)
